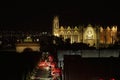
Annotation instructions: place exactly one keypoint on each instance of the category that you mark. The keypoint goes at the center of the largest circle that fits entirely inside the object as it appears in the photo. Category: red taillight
(112, 78)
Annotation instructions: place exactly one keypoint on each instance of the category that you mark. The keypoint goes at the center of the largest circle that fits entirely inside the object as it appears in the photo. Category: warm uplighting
(92, 35)
(114, 28)
(56, 34)
(89, 36)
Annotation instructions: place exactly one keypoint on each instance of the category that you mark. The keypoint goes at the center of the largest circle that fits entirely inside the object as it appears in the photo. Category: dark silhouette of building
(77, 68)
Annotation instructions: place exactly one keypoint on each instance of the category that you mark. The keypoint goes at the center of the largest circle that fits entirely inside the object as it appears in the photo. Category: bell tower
(55, 26)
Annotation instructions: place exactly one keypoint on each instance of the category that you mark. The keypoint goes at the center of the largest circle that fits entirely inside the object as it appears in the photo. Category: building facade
(92, 35)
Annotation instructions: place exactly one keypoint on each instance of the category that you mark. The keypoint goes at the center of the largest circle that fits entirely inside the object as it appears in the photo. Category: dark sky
(31, 15)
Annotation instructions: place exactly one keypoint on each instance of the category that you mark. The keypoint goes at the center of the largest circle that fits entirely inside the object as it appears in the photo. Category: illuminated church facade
(92, 35)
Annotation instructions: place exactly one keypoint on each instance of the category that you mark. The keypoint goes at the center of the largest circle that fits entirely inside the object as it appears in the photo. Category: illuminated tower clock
(56, 26)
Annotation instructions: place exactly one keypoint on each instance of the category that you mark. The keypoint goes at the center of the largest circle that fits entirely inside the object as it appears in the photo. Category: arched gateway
(21, 47)
(27, 46)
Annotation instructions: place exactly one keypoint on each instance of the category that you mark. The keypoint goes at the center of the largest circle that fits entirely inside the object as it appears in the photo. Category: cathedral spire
(55, 25)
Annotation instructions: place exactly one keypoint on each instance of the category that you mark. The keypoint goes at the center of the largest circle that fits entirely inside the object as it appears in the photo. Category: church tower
(55, 26)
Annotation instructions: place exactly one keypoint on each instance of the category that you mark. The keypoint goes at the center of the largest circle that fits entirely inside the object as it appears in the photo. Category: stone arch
(28, 47)
(76, 32)
(28, 50)
(68, 35)
(62, 33)
(75, 37)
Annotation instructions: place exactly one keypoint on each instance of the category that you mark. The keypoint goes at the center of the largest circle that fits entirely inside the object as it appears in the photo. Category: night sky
(31, 15)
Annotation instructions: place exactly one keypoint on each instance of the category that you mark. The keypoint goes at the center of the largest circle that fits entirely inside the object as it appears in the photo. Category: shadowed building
(77, 68)
(92, 35)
